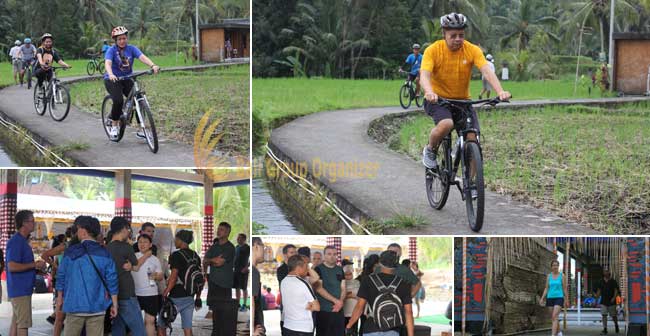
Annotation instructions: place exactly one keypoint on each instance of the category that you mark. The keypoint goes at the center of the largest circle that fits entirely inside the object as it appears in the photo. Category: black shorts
(150, 304)
(240, 280)
(551, 302)
(412, 77)
(439, 113)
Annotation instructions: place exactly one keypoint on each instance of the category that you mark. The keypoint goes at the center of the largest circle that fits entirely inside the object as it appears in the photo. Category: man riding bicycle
(119, 63)
(45, 55)
(446, 72)
(27, 54)
(15, 60)
(414, 60)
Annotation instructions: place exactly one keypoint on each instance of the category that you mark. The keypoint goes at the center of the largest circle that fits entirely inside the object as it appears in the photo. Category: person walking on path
(87, 282)
(554, 295)
(16, 62)
(486, 86)
(608, 290)
(129, 315)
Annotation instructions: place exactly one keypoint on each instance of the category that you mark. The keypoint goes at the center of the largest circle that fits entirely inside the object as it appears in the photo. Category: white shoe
(429, 158)
(114, 132)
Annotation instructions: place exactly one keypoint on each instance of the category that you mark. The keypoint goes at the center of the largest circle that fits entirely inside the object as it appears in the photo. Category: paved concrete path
(85, 128)
(398, 188)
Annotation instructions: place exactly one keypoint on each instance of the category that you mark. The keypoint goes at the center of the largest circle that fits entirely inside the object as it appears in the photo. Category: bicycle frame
(457, 156)
(136, 96)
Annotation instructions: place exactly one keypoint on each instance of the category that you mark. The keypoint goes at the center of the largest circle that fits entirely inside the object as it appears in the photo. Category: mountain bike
(52, 95)
(29, 70)
(407, 95)
(95, 65)
(465, 152)
(136, 105)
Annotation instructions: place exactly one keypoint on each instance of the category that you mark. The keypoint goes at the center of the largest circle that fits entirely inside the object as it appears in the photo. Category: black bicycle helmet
(453, 21)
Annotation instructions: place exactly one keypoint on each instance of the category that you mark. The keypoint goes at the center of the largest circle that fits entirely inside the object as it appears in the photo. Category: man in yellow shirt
(446, 72)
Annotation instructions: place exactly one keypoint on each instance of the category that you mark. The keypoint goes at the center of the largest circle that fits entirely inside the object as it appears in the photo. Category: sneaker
(429, 158)
(114, 133)
(140, 134)
(559, 333)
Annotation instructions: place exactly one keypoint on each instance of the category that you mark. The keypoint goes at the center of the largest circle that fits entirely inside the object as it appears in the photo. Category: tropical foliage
(79, 26)
(371, 39)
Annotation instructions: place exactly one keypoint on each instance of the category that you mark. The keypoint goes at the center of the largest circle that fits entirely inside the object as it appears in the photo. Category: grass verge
(587, 164)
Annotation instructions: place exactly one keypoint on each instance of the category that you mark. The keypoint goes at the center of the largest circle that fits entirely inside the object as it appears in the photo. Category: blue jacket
(83, 291)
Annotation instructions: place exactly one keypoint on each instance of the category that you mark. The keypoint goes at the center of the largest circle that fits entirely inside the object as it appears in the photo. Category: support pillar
(413, 249)
(8, 204)
(123, 194)
(208, 214)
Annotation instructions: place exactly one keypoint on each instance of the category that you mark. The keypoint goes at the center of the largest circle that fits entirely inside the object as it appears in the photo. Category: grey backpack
(387, 309)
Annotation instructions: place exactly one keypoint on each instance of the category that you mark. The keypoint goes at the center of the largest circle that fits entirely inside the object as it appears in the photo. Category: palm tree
(523, 24)
(146, 17)
(101, 12)
(474, 10)
(184, 11)
(596, 13)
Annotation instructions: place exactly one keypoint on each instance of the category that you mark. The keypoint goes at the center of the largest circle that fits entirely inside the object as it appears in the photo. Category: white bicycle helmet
(489, 57)
(453, 21)
(120, 30)
(17, 42)
(415, 46)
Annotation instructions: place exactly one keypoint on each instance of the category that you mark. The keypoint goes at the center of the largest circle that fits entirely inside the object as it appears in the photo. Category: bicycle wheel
(107, 106)
(437, 180)
(29, 76)
(90, 68)
(40, 104)
(405, 96)
(59, 104)
(419, 100)
(149, 126)
(475, 206)
(101, 68)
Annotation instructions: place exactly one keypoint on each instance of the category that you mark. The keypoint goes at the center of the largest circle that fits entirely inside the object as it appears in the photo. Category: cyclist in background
(414, 60)
(15, 60)
(46, 54)
(119, 63)
(27, 54)
(105, 47)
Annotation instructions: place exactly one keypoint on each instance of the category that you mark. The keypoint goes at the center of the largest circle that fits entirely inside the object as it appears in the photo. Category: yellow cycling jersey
(451, 71)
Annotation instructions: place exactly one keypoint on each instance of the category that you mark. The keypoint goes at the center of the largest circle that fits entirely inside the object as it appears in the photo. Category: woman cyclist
(119, 63)
(45, 56)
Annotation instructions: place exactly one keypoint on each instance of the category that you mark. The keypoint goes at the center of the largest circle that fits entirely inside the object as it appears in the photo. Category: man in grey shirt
(128, 312)
(27, 53)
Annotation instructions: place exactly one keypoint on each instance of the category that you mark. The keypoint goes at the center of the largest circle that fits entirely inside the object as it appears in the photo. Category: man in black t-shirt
(125, 261)
(368, 292)
(609, 290)
(240, 270)
(179, 262)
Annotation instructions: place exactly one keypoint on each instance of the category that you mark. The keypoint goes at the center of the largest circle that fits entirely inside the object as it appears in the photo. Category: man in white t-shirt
(486, 86)
(298, 300)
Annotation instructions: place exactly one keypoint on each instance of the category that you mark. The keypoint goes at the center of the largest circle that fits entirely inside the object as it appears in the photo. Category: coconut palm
(523, 23)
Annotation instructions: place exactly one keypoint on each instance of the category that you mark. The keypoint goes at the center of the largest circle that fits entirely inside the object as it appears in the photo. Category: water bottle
(127, 106)
(151, 281)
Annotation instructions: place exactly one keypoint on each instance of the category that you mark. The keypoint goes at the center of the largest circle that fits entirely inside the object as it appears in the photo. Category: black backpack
(387, 309)
(193, 279)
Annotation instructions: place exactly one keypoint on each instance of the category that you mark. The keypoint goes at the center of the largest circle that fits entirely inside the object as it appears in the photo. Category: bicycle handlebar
(58, 67)
(149, 72)
(493, 101)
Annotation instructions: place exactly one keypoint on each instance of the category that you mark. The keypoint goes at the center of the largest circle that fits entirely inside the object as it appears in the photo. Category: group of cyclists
(118, 61)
